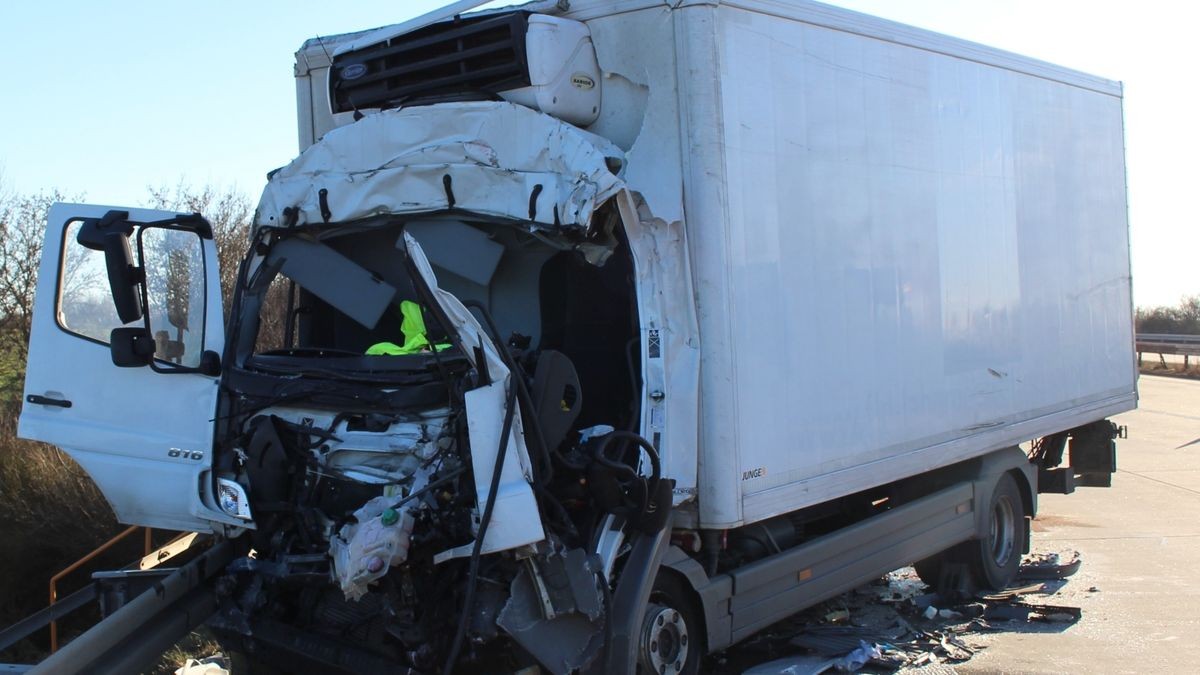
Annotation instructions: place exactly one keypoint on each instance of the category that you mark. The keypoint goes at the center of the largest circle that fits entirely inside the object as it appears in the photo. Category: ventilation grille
(466, 56)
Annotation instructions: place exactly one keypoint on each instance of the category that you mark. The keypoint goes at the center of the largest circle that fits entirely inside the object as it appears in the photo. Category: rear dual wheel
(994, 558)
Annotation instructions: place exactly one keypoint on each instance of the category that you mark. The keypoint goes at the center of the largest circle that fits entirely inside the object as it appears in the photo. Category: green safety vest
(415, 339)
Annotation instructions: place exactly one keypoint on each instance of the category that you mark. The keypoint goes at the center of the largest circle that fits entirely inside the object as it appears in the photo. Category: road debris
(213, 665)
(1049, 566)
(838, 616)
(895, 624)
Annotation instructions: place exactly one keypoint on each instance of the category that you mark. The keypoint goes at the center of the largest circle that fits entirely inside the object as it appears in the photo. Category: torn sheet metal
(495, 159)
(555, 611)
(670, 351)
(514, 517)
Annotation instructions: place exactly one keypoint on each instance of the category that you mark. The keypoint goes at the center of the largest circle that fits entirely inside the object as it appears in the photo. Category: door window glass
(174, 261)
(85, 304)
(175, 292)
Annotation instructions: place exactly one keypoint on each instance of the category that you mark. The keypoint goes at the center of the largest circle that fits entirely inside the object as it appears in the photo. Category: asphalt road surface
(1139, 586)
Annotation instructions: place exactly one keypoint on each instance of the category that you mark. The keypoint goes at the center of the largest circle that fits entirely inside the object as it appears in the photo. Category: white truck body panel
(953, 242)
(906, 249)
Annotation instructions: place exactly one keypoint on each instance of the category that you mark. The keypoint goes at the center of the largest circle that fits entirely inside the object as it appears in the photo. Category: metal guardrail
(152, 559)
(128, 532)
(1167, 343)
(1169, 338)
(42, 618)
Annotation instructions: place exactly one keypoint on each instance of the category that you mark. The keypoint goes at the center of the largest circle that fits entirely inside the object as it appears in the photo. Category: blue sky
(106, 99)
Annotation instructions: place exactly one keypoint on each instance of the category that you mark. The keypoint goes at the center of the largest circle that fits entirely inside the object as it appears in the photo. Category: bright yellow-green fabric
(385, 349)
(413, 327)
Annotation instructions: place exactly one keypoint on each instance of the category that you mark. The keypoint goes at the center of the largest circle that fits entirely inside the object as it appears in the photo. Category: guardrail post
(76, 565)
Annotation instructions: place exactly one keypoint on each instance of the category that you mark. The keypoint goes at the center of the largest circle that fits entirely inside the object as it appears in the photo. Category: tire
(991, 560)
(995, 557)
(671, 639)
(930, 570)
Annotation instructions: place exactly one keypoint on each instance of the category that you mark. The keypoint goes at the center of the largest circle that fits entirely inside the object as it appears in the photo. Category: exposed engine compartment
(387, 489)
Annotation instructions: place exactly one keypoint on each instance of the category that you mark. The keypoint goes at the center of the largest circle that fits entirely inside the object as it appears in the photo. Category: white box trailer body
(906, 249)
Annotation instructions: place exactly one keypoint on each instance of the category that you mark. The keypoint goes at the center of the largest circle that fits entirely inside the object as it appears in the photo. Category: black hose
(435, 484)
(473, 569)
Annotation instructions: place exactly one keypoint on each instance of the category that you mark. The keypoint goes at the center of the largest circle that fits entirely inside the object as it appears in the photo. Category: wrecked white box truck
(601, 335)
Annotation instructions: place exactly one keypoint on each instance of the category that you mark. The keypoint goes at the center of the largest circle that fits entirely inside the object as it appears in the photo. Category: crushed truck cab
(598, 336)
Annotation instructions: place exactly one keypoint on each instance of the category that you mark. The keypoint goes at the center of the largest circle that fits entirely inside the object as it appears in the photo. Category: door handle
(42, 400)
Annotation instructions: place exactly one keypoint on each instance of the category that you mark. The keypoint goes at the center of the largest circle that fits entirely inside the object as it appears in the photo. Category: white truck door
(143, 432)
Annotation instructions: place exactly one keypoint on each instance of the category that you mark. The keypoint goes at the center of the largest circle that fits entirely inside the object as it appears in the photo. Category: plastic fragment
(838, 616)
(365, 550)
(855, 660)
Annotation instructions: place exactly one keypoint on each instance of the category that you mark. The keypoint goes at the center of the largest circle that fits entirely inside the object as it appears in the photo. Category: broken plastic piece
(855, 660)
(1049, 567)
(213, 665)
(364, 551)
(838, 616)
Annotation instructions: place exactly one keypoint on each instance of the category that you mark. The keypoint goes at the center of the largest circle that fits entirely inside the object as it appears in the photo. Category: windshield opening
(321, 299)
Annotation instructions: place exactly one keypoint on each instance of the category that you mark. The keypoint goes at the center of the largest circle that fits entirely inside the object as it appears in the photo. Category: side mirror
(131, 347)
(122, 276)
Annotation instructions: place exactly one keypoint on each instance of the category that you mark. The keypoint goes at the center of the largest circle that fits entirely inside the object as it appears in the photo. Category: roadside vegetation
(52, 513)
(1181, 319)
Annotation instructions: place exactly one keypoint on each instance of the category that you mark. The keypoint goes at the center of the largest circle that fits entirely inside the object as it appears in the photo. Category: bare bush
(230, 213)
(22, 229)
(1182, 319)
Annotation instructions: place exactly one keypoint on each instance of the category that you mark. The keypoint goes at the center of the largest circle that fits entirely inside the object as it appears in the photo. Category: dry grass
(1172, 369)
(53, 515)
(199, 644)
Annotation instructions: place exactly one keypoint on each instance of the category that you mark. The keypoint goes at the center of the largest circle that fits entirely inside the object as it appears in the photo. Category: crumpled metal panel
(495, 159)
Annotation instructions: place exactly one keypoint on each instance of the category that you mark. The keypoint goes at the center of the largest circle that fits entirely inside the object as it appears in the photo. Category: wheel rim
(1003, 532)
(664, 640)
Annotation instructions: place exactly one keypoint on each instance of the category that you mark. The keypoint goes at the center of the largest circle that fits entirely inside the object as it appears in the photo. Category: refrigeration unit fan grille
(481, 55)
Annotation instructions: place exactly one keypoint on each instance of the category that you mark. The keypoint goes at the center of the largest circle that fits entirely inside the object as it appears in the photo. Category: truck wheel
(929, 570)
(996, 556)
(989, 561)
(671, 639)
